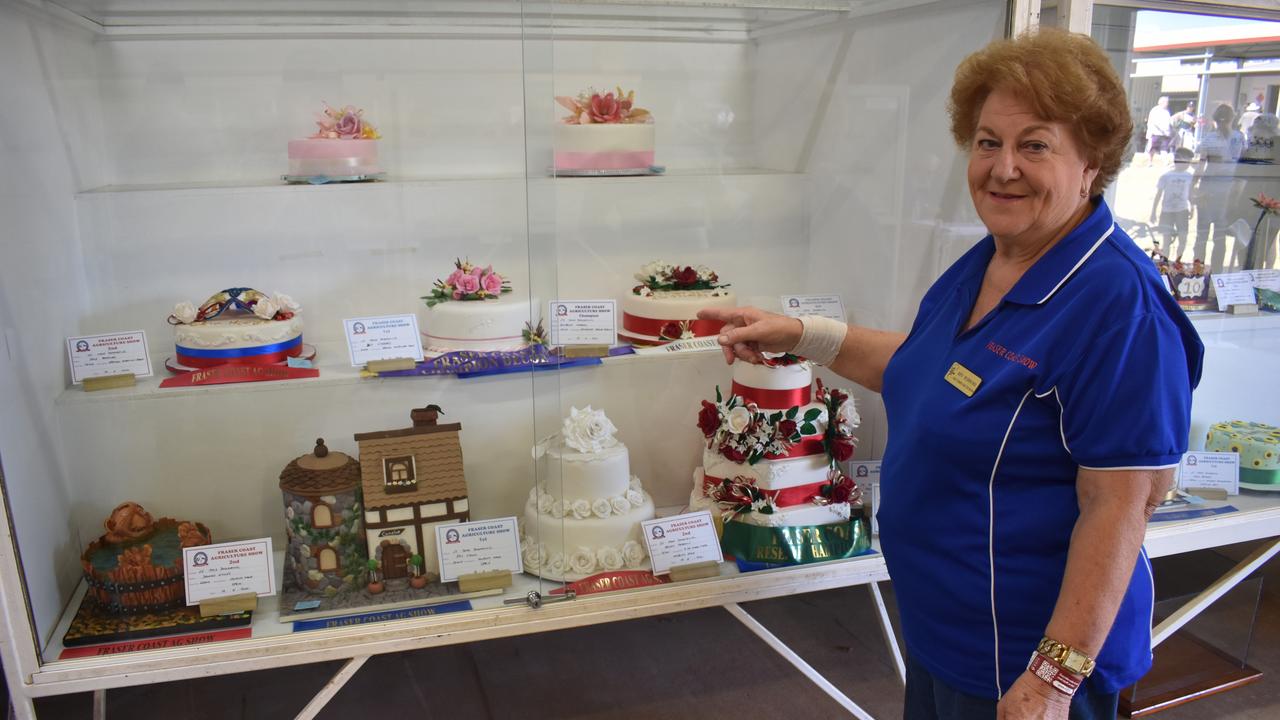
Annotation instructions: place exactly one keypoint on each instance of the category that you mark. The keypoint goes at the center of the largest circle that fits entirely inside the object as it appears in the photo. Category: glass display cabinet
(167, 174)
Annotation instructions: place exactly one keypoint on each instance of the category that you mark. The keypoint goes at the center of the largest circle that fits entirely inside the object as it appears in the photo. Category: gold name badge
(963, 379)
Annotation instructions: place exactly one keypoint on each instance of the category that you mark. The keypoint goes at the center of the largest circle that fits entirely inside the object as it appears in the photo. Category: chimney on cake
(425, 416)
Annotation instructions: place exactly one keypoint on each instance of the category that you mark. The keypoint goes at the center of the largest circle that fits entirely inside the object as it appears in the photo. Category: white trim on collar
(1075, 267)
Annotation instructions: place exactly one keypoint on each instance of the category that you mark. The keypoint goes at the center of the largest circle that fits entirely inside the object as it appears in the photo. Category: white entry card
(584, 322)
(867, 474)
(111, 354)
(389, 337)
(678, 540)
(1234, 289)
(828, 306)
(1267, 280)
(1210, 470)
(226, 569)
(478, 547)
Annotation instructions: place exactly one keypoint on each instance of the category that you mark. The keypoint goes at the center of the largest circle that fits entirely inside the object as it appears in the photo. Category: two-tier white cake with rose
(237, 326)
(664, 306)
(584, 515)
(472, 309)
(772, 448)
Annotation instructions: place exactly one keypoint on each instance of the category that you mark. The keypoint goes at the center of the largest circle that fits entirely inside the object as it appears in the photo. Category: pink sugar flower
(452, 280)
(468, 284)
(492, 283)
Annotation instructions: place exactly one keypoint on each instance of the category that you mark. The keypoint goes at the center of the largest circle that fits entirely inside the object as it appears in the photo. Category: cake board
(327, 179)
(94, 625)
(612, 172)
(397, 595)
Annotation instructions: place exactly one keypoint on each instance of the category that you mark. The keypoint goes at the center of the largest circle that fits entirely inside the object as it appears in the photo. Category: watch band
(1068, 657)
(1054, 674)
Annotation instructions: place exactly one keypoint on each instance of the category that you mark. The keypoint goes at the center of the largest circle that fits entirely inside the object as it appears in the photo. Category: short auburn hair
(1065, 77)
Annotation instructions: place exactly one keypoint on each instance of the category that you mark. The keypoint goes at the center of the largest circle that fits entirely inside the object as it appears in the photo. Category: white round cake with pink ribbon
(473, 309)
(603, 132)
(773, 446)
(344, 147)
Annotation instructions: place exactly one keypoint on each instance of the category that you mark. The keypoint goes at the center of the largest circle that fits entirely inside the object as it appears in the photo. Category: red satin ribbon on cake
(778, 399)
(651, 326)
(807, 446)
(790, 497)
(265, 359)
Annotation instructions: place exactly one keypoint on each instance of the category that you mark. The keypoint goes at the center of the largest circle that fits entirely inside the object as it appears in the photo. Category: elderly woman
(1036, 409)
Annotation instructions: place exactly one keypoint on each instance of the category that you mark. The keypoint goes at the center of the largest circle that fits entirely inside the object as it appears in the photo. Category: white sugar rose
(620, 505)
(285, 303)
(582, 561)
(532, 558)
(635, 497)
(581, 509)
(634, 484)
(557, 565)
(601, 508)
(265, 309)
(184, 312)
(738, 420)
(545, 501)
(557, 509)
(588, 431)
(849, 414)
(632, 553)
(609, 558)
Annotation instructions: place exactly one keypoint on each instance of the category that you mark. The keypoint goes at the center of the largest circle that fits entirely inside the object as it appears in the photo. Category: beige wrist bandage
(821, 339)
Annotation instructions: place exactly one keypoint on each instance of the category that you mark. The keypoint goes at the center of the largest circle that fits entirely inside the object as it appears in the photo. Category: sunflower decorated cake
(1258, 446)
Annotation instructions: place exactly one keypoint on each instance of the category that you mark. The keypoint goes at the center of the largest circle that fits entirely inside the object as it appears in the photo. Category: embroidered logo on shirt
(1012, 356)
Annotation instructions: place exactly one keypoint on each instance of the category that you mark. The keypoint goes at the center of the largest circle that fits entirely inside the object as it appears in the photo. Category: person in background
(1159, 129)
(1174, 188)
(1184, 127)
(1214, 190)
(1036, 408)
(1251, 113)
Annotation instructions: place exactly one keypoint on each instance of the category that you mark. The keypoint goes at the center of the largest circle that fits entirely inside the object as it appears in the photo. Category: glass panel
(1203, 91)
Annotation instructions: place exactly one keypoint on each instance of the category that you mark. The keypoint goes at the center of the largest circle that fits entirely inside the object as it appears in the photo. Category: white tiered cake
(584, 516)
(770, 448)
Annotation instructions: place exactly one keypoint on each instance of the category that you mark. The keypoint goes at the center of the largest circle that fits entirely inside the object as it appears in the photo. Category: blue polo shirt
(1086, 362)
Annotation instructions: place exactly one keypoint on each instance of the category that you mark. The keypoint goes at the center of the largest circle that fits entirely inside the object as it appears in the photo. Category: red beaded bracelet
(1058, 677)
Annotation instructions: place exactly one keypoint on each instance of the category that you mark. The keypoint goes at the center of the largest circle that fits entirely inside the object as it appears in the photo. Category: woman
(1036, 408)
(1215, 186)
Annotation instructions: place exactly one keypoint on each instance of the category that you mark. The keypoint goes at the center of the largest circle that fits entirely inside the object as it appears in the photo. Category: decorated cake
(238, 326)
(137, 565)
(1189, 282)
(664, 306)
(771, 461)
(325, 553)
(1262, 140)
(1258, 446)
(603, 132)
(472, 310)
(584, 515)
(345, 147)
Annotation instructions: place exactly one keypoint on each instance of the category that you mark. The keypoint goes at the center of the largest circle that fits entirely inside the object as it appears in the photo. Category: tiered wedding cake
(584, 515)
(772, 448)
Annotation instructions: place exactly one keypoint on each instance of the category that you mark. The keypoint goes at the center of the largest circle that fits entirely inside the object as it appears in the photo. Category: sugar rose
(588, 431)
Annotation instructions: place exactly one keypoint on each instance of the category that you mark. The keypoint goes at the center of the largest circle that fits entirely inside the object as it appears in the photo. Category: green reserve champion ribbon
(801, 544)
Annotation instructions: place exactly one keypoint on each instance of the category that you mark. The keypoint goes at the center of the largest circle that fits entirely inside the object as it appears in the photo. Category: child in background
(1174, 187)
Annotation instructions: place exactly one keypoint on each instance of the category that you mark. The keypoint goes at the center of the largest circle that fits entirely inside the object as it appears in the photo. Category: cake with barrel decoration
(136, 566)
(584, 515)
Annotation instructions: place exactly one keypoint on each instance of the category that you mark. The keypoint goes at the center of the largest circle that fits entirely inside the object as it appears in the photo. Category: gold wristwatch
(1068, 657)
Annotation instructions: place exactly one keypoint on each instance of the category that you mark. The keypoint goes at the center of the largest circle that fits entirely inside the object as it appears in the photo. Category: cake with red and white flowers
(664, 306)
(472, 309)
(773, 448)
(583, 517)
(237, 326)
(603, 131)
(344, 146)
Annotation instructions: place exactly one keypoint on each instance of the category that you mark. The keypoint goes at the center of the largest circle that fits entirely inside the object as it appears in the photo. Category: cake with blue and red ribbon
(238, 326)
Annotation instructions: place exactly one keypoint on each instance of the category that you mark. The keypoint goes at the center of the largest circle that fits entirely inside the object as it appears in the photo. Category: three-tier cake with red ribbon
(238, 326)
(664, 307)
